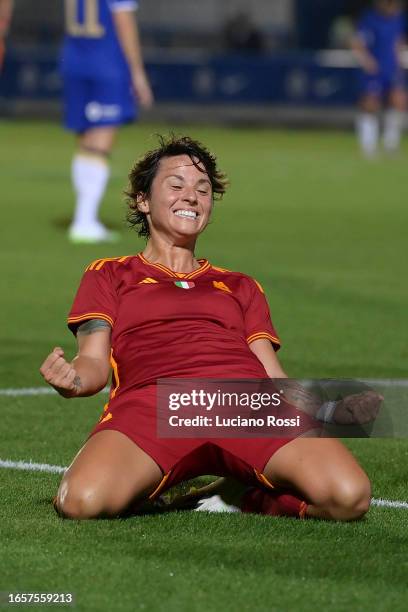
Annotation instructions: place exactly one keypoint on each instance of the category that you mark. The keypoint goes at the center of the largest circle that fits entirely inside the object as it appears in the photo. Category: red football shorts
(134, 414)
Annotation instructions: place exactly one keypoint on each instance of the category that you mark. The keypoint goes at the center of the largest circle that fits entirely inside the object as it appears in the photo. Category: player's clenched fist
(359, 408)
(60, 374)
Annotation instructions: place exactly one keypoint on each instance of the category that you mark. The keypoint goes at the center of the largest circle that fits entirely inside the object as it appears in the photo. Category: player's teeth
(186, 213)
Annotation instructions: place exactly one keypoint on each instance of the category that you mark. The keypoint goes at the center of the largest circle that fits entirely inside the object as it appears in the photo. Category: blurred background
(321, 227)
(266, 61)
(270, 86)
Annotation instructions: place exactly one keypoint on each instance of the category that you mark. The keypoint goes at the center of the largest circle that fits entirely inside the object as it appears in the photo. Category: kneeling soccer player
(165, 314)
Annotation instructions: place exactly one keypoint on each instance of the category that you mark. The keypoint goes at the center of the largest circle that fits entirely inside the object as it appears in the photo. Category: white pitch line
(385, 382)
(59, 469)
(31, 467)
(389, 503)
(27, 391)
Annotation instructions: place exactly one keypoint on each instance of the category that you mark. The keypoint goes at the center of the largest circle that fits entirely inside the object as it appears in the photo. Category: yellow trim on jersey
(158, 266)
(115, 375)
(259, 286)
(303, 510)
(91, 315)
(260, 335)
(204, 266)
(262, 478)
(220, 269)
(160, 485)
(105, 408)
(108, 417)
(147, 281)
(98, 263)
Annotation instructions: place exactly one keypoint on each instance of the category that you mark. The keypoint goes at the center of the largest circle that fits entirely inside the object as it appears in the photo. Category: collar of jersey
(204, 267)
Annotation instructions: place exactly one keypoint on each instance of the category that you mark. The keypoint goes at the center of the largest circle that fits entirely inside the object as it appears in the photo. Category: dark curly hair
(145, 169)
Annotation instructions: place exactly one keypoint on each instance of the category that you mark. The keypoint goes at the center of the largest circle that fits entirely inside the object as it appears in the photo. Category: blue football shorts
(90, 103)
(381, 84)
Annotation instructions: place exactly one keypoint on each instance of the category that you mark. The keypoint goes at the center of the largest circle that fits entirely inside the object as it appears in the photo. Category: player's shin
(90, 174)
(367, 127)
(393, 122)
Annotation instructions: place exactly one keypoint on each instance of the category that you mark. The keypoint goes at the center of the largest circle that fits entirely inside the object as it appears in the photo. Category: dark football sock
(274, 503)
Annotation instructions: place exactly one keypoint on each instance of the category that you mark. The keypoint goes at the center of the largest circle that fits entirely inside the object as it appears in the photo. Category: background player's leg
(90, 175)
(368, 124)
(393, 120)
(108, 473)
(323, 473)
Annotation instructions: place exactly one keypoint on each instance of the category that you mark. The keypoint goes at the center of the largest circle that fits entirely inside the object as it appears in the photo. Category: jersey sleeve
(96, 298)
(123, 5)
(257, 317)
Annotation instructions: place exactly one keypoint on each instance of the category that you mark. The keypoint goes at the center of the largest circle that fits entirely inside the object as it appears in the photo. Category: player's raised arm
(128, 33)
(363, 56)
(358, 408)
(89, 371)
(401, 51)
(263, 349)
(6, 10)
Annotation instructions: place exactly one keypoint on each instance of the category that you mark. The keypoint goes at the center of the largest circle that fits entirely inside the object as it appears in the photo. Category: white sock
(392, 129)
(90, 174)
(368, 131)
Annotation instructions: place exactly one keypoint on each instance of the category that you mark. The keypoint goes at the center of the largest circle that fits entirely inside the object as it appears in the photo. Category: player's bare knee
(76, 501)
(398, 101)
(370, 104)
(351, 500)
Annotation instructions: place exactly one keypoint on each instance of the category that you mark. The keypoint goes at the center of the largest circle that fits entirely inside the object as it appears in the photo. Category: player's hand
(60, 374)
(142, 88)
(358, 409)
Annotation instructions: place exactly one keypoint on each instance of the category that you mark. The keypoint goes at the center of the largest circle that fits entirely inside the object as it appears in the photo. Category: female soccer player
(165, 314)
(377, 45)
(104, 82)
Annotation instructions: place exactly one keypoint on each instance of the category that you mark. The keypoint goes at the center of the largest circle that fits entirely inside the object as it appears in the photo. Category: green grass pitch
(325, 232)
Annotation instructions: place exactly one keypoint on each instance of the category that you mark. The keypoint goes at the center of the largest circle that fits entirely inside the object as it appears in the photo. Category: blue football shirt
(91, 47)
(381, 34)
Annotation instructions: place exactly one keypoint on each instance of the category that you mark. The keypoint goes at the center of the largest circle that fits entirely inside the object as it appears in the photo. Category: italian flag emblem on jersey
(184, 284)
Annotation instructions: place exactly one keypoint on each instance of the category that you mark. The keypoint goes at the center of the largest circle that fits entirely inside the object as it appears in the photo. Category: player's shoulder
(244, 279)
(111, 264)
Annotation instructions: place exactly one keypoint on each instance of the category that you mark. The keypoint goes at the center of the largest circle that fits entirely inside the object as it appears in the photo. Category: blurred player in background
(378, 44)
(104, 76)
(6, 9)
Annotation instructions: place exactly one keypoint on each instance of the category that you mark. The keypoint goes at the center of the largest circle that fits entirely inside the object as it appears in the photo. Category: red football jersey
(166, 324)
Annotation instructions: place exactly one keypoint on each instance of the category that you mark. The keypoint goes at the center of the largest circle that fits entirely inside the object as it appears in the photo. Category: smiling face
(180, 201)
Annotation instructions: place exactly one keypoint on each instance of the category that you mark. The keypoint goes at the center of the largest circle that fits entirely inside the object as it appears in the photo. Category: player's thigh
(398, 99)
(109, 471)
(100, 138)
(322, 469)
(75, 98)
